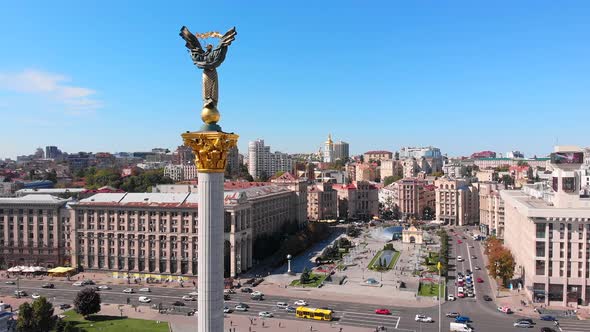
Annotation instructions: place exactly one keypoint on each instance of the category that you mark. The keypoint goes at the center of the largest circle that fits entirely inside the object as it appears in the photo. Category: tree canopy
(37, 317)
(501, 261)
(87, 302)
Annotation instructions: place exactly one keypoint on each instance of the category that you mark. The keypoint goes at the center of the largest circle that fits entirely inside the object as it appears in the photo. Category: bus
(313, 313)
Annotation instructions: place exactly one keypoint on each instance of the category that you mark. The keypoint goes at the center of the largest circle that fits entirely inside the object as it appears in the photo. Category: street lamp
(289, 264)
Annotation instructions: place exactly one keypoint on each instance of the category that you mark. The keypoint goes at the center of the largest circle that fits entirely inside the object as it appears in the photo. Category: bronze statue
(208, 60)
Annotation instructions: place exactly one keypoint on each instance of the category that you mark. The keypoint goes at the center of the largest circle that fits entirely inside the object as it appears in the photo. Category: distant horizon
(463, 76)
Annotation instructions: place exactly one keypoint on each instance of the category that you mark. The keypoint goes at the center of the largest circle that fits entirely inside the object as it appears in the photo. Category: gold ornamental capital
(210, 148)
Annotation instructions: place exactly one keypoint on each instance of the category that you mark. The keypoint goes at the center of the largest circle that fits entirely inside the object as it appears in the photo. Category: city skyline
(119, 80)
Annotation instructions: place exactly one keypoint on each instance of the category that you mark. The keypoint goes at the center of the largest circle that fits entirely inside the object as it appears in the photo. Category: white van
(460, 327)
(282, 305)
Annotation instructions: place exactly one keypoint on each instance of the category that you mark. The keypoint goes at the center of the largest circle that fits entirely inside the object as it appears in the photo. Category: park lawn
(375, 258)
(394, 260)
(315, 281)
(114, 323)
(428, 289)
(396, 255)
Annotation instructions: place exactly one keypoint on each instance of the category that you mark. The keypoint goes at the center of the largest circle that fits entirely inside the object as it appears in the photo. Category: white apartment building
(491, 209)
(263, 162)
(419, 152)
(547, 229)
(457, 202)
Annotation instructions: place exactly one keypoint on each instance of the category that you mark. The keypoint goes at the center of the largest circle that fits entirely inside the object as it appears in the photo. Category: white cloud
(76, 100)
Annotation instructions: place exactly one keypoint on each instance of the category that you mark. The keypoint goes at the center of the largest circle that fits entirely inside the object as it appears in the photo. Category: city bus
(313, 313)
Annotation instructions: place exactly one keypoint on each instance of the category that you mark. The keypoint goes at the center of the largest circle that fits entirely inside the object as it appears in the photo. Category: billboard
(567, 157)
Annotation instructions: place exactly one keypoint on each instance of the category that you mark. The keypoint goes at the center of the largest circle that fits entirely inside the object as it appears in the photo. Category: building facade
(457, 202)
(341, 150)
(420, 152)
(299, 197)
(378, 155)
(412, 196)
(34, 230)
(491, 209)
(263, 163)
(360, 199)
(322, 202)
(547, 229)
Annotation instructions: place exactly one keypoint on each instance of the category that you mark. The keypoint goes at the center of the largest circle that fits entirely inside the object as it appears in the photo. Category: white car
(265, 314)
(144, 299)
(478, 268)
(188, 298)
(460, 289)
(226, 310)
(78, 284)
(145, 289)
(256, 293)
(282, 305)
(193, 293)
(103, 287)
(241, 307)
(423, 319)
(128, 290)
(300, 302)
(451, 298)
(35, 296)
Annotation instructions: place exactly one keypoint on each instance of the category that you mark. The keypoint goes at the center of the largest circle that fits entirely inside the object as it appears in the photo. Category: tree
(25, 322)
(428, 213)
(388, 180)
(87, 302)
(60, 325)
(43, 315)
(70, 327)
(305, 276)
(507, 180)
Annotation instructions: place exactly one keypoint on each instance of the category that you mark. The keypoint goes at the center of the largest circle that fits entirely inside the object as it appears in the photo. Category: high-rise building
(341, 150)
(233, 162)
(329, 150)
(457, 202)
(183, 155)
(52, 152)
(263, 163)
(547, 230)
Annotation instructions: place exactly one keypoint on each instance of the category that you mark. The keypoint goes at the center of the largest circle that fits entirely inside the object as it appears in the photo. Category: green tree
(507, 180)
(60, 325)
(25, 322)
(263, 177)
(70, 327)
(43, 315)
(305, 276)
(87, 302)
(51, 176)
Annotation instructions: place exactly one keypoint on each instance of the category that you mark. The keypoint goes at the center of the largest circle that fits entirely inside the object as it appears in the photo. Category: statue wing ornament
(192, 42)
(228, 37)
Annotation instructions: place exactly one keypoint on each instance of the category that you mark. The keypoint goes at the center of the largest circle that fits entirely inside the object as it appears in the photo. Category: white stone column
(210, 253)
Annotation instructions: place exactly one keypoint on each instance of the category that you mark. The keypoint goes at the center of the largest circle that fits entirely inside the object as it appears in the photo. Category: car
(423, 318)
(452, 314)
(10, 282)
(282, 305)
(460, 280)
(226, 297)
(35, 295)
(300, 303)
(241, 307)
(470, 294)
(48, 285)
(473, 257)
(20, 293)
(468, 271)
(460, 295)
(522, 324)
(226, 310)
(477, 268)
(460, 259)
(265, 314)
(189, 298)
(464, 238)
(144, 299)
(471, 246)
(87, 282)
(451, 298)
(548, 318)
(256, 297)
(290, 309)
(462, 319)
(460, 289)
(487, 298)
(64, 306)
(547, 329)
(382, 311)
(505, 310)
(78, 284)
(246, 290)
(528, 320)
(257, 293)
(459, 241)
(178, 304)
(103, 287)
(145, 289)
(480, 280)
(371, 281)
(128, 290)
(193, 293)
(228, 291)
(460, 283)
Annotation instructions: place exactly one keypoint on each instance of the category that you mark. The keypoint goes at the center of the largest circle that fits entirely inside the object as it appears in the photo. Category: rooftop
(34, 199)
(538, 207)
(378, 152)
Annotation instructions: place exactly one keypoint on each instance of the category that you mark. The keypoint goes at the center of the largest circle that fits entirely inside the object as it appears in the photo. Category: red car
(461, 295)
(383, 312)
(459, 241)
(480, 280)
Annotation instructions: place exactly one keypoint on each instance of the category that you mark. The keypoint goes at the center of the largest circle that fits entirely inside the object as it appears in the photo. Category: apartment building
(322, 202)
(411, 195)
(34, 230)
(457, 202)
(360, 199)
(491, 208)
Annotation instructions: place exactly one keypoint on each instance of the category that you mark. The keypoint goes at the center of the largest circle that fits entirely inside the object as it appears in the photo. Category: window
(540, 230)
(540, 267)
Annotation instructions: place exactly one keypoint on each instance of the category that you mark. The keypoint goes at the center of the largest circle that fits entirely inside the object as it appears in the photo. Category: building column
(158, 255)
(96, 253)
(211, 251)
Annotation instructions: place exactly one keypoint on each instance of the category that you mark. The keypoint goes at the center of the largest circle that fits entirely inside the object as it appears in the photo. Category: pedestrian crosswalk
(571, 325)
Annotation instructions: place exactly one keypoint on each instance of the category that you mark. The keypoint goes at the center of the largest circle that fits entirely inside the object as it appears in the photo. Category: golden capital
(211, 149)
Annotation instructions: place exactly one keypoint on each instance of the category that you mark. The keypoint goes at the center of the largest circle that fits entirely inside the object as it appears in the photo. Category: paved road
(483, 314)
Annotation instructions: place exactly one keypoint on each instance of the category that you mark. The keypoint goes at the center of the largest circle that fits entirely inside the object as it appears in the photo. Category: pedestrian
(231, 323)
(250, 328)
(311, 328)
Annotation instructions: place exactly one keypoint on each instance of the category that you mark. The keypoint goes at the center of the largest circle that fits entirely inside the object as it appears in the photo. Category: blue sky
(461, 75)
